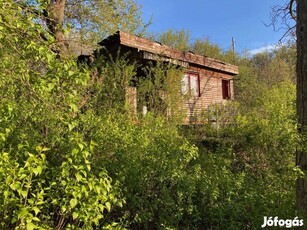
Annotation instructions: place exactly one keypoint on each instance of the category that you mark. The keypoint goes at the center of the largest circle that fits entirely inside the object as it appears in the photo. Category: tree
(85, 21)
(301, 69)
(178, 39)
(50, 13)
(206, 48)
(282, 18)
(299, 14)
(92, 20)
(47, 177)
(54, 15)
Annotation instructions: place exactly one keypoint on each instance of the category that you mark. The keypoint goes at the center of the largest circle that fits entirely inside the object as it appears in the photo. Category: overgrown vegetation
(72, 157)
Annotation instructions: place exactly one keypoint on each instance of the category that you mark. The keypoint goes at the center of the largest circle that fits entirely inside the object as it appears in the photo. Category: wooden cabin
(208, 81)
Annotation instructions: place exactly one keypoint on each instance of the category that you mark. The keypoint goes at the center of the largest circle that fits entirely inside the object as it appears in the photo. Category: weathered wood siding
(210, 93)
(131, 101)
(144, 44)
(211, 72)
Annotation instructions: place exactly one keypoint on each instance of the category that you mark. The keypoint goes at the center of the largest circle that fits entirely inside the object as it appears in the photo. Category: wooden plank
(144, 44)
(210, 71)
(155, 57)
(131, 101)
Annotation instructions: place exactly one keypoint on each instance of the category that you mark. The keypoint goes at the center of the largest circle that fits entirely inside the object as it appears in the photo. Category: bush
(246, 167)
(46, 171)
(151, 162)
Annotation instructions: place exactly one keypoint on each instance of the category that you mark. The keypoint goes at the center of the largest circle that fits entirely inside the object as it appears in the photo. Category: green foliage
(46, 170)
(93, 20)
(86, 22)
(181, 40)
(245, 169)
(72, 159)
(108, 84)
(159, 89)
(239, 173)
(178, 39)
(271, 125)
(39, 195)
(151, 162)
(206, 48)
(262, 72)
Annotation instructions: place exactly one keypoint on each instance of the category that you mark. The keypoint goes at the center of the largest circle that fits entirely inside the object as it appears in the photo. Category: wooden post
(131, 101)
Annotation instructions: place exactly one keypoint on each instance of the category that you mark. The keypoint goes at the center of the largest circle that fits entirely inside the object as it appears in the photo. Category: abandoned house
(208, 81)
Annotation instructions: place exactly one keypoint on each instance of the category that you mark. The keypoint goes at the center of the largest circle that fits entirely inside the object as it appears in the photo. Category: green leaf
(75, 194)
(44, 149)
(31, 201)
(31, 226)
(78, 177)
(8, 180)
(23, 176)
(6, 194)
(36, 219)
(43, 156)
(73, 107)
(75, 215)
(90, 186)
(54, 201)
(108, 206)
(49, 57)
(38, 148)
(37, 170)
(3, 136)
(92, 145)
(75, 151)
(81, 146)
(22, 213)
(24, 193)
(36, 210)
(70, 73)
(15, 185)
(40, 202)
(73, 203)
(63, 208)
(41, 50)
(70, 127)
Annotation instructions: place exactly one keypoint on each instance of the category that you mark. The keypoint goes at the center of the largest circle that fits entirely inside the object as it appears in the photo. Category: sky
(218, 20)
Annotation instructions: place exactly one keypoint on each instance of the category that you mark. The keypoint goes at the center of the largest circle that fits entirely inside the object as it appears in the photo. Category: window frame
(226, 92)
(189, 88)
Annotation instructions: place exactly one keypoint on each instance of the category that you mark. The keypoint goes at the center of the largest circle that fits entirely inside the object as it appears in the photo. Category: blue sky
(218, 20)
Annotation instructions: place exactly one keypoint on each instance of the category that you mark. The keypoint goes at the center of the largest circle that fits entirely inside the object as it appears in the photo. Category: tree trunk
(301, 155)
(55, 22)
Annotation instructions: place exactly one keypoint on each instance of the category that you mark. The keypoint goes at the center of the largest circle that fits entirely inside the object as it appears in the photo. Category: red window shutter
(198, 81)
(225, 89)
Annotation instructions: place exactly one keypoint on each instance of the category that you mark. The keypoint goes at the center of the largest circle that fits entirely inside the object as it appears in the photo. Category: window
(225, 89)
(190, 84)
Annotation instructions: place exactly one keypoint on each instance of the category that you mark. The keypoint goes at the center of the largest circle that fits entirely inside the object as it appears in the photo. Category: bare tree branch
(292, 12)
(282, 18)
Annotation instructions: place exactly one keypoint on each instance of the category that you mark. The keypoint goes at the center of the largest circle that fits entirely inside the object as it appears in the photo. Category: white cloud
(267, 48)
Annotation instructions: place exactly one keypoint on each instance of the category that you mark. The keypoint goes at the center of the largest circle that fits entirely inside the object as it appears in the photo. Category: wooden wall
(211, 72)
(211, 93)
